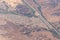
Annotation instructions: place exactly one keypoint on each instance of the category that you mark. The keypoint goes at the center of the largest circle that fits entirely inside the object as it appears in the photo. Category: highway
(37, 7)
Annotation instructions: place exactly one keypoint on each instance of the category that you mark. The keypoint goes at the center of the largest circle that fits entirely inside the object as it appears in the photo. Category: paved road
(37, 7)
